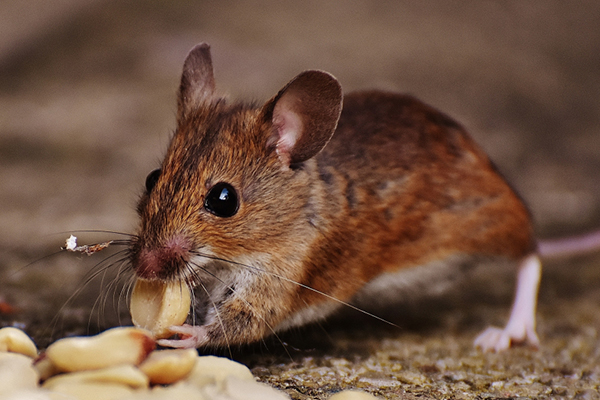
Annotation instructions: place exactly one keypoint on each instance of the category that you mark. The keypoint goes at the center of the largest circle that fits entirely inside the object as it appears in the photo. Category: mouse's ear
(197, 81)
(304, 115)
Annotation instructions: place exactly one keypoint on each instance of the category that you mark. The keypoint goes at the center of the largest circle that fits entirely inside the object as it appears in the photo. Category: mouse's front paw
(497, 339)
(189, 337)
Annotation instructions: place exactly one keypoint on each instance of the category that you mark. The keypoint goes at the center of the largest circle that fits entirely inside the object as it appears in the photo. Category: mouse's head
(232, 185)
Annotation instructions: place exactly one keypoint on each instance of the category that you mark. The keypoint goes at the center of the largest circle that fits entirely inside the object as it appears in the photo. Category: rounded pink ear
(304, 115)
(197, 80)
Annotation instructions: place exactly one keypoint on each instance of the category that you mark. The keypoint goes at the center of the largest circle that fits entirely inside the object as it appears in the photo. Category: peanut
(169, 366)
(17, 341)
(112, 347)
(156, 306)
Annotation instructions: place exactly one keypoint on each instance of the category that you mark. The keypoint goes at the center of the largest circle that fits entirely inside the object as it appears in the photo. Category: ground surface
(87, 103)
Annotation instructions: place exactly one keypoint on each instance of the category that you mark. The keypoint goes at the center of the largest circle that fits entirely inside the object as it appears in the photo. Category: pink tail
(570, 246)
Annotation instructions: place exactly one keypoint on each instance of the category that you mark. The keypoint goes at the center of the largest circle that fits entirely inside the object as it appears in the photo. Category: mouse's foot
(498, 339)
(190, 337)
(521, 324)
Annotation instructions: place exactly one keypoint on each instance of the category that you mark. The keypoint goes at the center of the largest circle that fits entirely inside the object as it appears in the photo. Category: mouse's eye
(222, 200)
(151, 180)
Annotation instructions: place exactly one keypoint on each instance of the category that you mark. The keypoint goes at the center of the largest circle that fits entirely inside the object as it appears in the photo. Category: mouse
(275, 215)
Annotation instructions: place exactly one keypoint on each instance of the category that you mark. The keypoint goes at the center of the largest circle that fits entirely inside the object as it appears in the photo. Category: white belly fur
(433, 279)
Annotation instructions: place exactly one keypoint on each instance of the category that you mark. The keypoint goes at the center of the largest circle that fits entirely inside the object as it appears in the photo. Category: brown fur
(405, 185)
(398, 185)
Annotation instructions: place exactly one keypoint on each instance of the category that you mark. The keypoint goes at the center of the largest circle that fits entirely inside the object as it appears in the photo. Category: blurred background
(87, 106)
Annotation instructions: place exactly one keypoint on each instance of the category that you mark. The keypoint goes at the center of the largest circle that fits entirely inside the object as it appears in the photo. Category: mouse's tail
(570, 246)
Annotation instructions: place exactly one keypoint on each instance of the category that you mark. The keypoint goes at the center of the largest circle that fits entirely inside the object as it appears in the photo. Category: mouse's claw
(492, 339)
(190, 337)
(497, 339)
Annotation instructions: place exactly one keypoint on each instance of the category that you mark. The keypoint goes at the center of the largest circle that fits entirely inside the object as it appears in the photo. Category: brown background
(87, 104)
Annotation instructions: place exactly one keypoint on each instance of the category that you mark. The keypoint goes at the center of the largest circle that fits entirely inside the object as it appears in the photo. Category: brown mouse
(276, 214)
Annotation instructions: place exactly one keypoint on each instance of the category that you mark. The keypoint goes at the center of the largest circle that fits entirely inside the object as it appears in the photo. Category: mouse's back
(412, 177)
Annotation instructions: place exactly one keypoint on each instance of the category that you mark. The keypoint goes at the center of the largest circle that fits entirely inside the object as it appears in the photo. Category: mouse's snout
(164, 261)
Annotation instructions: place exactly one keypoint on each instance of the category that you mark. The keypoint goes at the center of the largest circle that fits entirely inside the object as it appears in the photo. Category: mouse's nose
(161, 262)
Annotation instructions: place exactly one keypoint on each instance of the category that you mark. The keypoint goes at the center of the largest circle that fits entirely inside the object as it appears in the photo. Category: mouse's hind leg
(521, 324)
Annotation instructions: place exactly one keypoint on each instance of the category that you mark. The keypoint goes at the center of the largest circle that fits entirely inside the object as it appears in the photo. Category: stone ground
(87, 103)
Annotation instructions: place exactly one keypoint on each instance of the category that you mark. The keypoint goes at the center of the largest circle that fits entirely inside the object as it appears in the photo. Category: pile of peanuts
(122, 363)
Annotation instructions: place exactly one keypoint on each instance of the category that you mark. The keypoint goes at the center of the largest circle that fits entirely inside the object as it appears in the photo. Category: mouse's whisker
(104, 265)
(125, 292)
(96, 270)
(259, 270)
(121, 277)
(106, 288)
(130, 235)
(236, 293)
(217, 312)
(121, 242)
(20, 269)
(191, 283)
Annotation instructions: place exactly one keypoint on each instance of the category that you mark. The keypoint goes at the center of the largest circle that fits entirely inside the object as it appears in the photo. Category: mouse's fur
(323, 210)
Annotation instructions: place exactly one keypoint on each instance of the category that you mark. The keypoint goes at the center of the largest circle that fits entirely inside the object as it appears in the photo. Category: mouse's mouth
(169, 273)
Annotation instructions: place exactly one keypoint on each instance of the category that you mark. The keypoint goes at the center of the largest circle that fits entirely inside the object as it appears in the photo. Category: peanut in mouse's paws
(497, 339)
(191, 337)
(158, 306)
